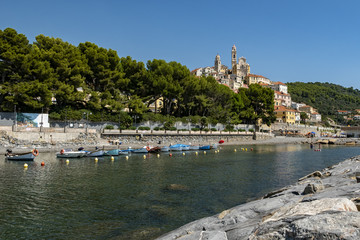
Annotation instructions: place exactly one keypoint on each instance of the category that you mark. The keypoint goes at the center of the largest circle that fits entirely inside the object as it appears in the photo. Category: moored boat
(193, 147)
(123, 152)
(165, 149)
(205, 147)
(98, 153)
(179, 147)
(155, 150)
(214, 146)
(28, 156)
(112, 152)
(69, 153)
(142, 150)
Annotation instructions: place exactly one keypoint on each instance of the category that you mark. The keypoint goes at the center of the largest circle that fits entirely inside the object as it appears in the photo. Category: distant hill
(327, 98)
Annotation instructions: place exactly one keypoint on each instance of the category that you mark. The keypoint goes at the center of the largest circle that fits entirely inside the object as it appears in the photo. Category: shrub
(156, 128)
(144, 128)
(109, 127)
(251, 130)
(132, 128)
(206, 129)
(213, 129)
(195, 129)
(172, 128)
(242, 130)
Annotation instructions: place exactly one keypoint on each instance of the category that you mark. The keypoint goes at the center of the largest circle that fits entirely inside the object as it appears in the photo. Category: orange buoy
(170, 154)
(35, 152)
(42, 164)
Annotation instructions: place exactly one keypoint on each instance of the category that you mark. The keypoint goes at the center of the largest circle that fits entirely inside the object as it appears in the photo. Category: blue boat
(113, 152)
(205, 147)
(129, 150)
(179, 147)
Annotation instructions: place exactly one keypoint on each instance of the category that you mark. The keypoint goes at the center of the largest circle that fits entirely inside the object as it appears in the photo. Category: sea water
(144, 197)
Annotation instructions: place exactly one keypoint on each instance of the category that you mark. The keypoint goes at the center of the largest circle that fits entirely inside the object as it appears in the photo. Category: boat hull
(96, 154)
(73, 154)
(140, 150)
(113, 152)
(206, 147)
(21, 157)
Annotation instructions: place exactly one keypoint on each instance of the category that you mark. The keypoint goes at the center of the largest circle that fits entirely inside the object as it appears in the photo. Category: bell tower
(233, 60)
(217, 63)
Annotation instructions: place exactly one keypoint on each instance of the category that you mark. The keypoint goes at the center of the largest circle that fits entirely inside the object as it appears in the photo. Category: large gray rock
(326, 213)
(313, 208)
(327, 225)
(313, 188)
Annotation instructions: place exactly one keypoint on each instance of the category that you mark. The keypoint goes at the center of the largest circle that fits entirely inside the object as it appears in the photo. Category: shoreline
(104, 144)
(322, 205)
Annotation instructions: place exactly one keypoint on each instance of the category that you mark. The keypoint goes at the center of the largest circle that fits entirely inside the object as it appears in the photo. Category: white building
(279, 86)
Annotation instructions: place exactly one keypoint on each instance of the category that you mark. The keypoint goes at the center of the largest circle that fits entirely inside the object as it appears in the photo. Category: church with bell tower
(236, 76)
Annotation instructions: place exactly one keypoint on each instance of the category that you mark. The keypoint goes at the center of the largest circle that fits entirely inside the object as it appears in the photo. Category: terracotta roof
(195, 69)
(279, 83)
(281, 93)
(254, 75)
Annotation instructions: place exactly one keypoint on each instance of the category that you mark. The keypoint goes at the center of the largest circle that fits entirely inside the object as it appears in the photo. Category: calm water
(129, 199)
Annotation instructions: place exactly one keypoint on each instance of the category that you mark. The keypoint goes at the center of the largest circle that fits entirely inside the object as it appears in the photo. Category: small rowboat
(68, 153)
(98, 153)
(28, 156)
(205, 147)
(142, 150)
(113, 152)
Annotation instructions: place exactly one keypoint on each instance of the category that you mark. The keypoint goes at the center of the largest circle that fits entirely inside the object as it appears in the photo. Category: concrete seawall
(321, 205)
(59, 137)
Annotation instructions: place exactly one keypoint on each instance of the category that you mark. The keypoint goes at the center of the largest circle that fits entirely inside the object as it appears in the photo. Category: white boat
(165, 149)
(98, 153)
(121, 152)
(214, 146)
(68, 153)
(192, 147)
(28, 156)
(185, 148)
(141, 150)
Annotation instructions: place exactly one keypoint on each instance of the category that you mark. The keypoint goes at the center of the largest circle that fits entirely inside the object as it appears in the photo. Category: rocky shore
(322, 205)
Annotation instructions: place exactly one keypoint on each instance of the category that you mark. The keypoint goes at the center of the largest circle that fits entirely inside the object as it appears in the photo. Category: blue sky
(284, 40)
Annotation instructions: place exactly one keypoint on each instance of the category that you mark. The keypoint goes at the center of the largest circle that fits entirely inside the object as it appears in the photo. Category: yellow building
(157, 105)
(284, 115)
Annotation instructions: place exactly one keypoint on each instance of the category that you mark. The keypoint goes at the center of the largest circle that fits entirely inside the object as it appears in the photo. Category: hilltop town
(239, 76)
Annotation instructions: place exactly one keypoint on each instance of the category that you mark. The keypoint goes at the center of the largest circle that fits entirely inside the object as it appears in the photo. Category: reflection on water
(143, 198)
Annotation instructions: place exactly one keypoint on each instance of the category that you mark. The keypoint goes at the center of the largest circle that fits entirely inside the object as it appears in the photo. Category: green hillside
(326, 97)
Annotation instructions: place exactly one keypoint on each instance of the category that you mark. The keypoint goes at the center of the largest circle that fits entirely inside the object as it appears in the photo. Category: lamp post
(119, 122)
(188, 120)
(135, 117)
(65, 120)
(15, 119)
(41, 123)
(87, 120)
